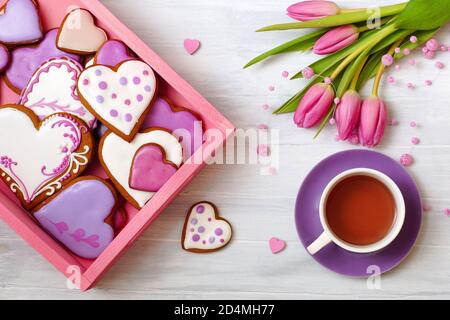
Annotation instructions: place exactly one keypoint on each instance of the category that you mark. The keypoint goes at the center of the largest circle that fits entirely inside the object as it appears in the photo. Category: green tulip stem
(382, 68)
(358, 73)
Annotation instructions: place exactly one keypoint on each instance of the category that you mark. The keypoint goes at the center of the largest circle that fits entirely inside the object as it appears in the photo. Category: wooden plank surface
(259, 206)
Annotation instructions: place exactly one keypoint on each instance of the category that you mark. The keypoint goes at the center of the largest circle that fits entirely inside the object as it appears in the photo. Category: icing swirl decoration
(44, 156)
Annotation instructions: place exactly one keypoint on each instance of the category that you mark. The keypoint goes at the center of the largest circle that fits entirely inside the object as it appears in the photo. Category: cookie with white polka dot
(204, 230)
(121, 96)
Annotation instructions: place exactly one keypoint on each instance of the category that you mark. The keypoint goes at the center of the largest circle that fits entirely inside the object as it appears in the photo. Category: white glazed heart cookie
(37, 158)
(53, 89)
(118, 156)
(204, 230)
(119, 97)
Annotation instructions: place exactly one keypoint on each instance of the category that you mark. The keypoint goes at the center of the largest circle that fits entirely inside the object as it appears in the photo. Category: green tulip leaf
(424, 15)
(302, 43)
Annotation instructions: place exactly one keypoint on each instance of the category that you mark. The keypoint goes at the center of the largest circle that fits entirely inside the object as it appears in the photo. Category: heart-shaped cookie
(276, 245)
(77, 216)
(204, 230)
(53, 89)
(150, 170)
(191, 45)
(183, 123)
(116, 156)
(79, 34)
(112, 53)
(119, 97)
(38, 158)
(26, 60)
(20, 22)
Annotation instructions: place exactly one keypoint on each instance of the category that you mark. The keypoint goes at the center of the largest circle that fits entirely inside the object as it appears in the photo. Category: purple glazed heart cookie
(150, 169)
(79, 34)
(183, 123)
(119, 97)
(112, 53)
(4, 57)
(204, 230)
(20, 22)
(25, 60)
(78, 216)
(53, 89)
(39, 157)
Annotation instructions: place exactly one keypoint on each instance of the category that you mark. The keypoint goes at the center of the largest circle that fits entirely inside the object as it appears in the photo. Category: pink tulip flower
(314, 105)
(348, 113)
(336, 39)
(312, 10)
(372, 121)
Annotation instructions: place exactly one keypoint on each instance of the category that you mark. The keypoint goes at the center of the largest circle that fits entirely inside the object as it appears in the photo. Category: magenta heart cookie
(119, 97)
(112, 53)
(150, 169)
(77, 216)
(20, 22)
(204, 230)
(4, 57)
(37, 158)
(277, 245)
(183, 123)
(191, 45)
(53, 89)
(26, 60)
(79, 34)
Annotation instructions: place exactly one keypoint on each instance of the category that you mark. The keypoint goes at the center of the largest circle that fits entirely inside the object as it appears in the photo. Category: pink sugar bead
(398, 67)
(428, 83)
(393, 122)
(337, 101)
(391, 79)
(266, 106)
(406, 160)
(430, 55)
(413, 39)
(327, 80)
(263, 150)
(412, 62)
(308, 73)
(397, 50)
(444, 48)
(337, 138)
(439, 65)
(332, 122)
(410, 85)
(285, 74)
(271, 88)
(413, 124)
(447, 212)
(432, 44)
(263, 127)
(415, 141)
(387, 60)
(406, 52)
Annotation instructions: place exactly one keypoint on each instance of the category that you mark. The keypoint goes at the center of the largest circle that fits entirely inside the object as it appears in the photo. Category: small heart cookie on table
(41, 156)
(119, 97)
(20, 22)
(79, 34)
(53, 89)
(78, 216)
(126, 162)
(277, 245)
(204, 230)
(112, 53)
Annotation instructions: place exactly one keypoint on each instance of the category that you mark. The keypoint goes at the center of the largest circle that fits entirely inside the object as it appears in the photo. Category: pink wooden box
(172, 86)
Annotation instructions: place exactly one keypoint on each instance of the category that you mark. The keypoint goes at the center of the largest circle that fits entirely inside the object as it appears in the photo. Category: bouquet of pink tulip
(358, 45)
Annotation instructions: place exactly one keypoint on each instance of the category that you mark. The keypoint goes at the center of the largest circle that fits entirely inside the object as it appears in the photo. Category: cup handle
(319, 244)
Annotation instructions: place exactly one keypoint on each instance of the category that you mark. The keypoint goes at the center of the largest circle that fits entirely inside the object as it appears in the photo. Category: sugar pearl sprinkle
(308, 73)
(415, 140)
(391, 79)
(447, 212)
(439, 65)
(413, 124)
(285, 74)
(387, 60)
(406, 160)
(413, 39)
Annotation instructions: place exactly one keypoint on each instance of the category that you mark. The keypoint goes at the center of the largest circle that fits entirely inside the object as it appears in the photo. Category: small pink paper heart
(277, 245)
(191, 45)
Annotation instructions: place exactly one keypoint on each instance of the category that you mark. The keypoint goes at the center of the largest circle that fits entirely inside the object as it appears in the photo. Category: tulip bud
(348, 113)
(336, 39)
(312, 10)
(314, 105)
(372, 121)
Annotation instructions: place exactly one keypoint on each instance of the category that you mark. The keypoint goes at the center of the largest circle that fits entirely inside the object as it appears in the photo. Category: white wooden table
(259, 207)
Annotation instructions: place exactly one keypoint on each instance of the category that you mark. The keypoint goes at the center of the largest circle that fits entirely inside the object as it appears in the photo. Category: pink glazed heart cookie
(20, 22)
(150, 169)
(25, 60)
(78, 216)
(79, 34)
(119, 97)
(39, 157)
(277, 245)
(118, 156)
(204, 230)
(53, 89)
(191, 45)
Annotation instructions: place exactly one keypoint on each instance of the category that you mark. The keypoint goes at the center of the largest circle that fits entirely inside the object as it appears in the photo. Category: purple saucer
(332, 256)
